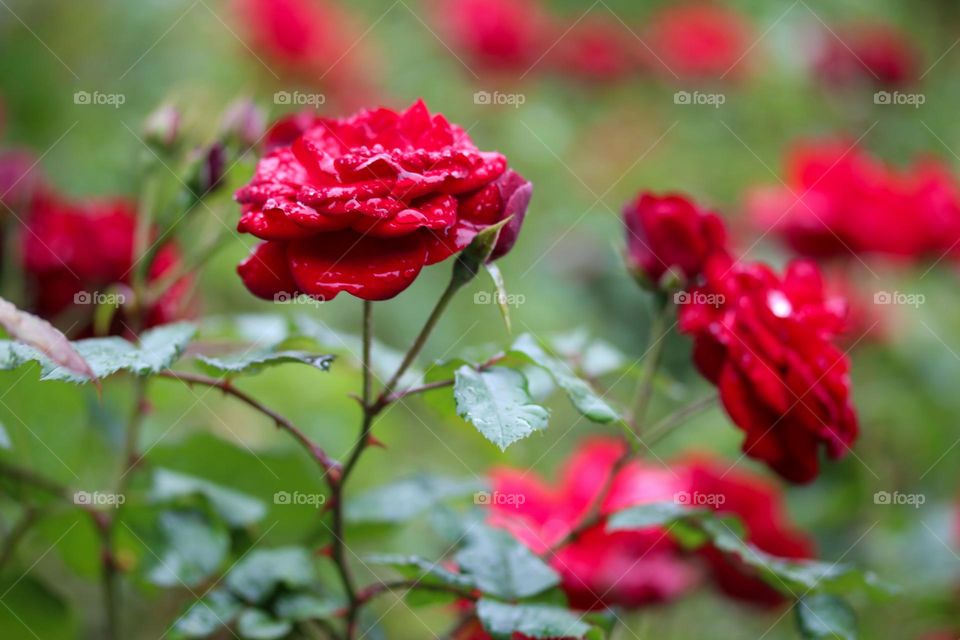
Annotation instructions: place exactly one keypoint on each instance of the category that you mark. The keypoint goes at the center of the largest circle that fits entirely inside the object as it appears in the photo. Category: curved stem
(644, 391)
(678, 417)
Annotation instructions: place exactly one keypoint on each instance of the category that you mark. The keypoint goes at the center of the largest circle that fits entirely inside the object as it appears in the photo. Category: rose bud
(244, 122)
(162, 127)
(209, 170)
(670, 234)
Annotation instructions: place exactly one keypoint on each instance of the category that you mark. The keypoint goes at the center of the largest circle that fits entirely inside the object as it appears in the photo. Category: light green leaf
(498, 403)
(254, 624)
(297, 607)
(502, 566)
(403, 500)
(536, 621)
(594, 356)
(422, 570)
(255, 361)
(583, 397)
(826, 617)
(237, 509)
(193, 551)
(158, 349)
(260, 572)
(217, 609)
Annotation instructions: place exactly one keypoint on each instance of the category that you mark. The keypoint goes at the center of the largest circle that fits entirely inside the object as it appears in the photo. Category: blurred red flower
(766, 342)
(839, 200)
(671, 232)
(599, 569)
(699, 40)
(596, 48)
(872, 53)
(362, 204)
(499, 35)
(758, 504)
(74, 251)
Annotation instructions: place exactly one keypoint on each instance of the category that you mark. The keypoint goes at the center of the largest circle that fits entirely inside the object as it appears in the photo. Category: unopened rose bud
(244, 122)
(162, 126)
(210, 169)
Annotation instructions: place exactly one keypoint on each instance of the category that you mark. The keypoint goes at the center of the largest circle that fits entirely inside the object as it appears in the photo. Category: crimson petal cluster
(362, 204)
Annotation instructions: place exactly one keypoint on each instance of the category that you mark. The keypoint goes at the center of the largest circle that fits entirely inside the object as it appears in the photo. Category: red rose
(759, 506)
(75, 251)
(765, 341)
(599, 569)
(362, 204)
(497, 34)
(699, 40)
(840, 201)
(877, 54)
(671, 232)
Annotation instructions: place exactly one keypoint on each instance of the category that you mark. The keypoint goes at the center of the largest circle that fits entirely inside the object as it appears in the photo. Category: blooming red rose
(599, 569)
(699, 40)
(758, 504)
(873, 53)
(362, 204)
(839, 201)
(766, 342)
(506, 35)
(671, 232)
(74, 251)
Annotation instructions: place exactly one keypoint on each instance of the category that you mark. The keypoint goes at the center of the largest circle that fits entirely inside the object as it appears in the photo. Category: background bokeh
(588, 147)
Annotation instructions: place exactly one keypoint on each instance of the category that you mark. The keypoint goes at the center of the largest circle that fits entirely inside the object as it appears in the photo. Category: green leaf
(158, 349)
(217, 609)
(403, 500)
(536, 621)
(39, 335)
(422, 570)
(256, 576)
(255, 361)
(237, 509)
(5, 442)
(583, 397)
(502, 566)
(193, 551)
(822, 617)
(498, 403)
(298, 607)
(468, 263)
(254, 624)
(500, 289)
(594, 356)
(656, 514)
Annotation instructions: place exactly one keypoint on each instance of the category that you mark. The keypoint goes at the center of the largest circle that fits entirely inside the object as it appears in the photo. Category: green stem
(652, 363)
(678, 417)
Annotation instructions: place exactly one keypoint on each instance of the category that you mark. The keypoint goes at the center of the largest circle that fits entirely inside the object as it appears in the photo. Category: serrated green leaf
(260, 572)
(400, 501)
(501, 566)
(583, 397)
(826, 617)
(536, 621)
(237, 509)
(254, 624)
(255, 361)
(422, 570)
(39, 335)
(193, 551)
(498, 403)
(217, 609)
(297, 607)
(158, 349)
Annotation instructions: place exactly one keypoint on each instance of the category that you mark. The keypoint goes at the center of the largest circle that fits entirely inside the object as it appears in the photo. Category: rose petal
(266, 272)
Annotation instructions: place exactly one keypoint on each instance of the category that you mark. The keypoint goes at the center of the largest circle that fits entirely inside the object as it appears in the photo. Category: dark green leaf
(237, 509)
(536, 621)
(254, 624)
(498, 403)
(259, 573)
(297, 607)
(826, 617)
(502, 566)
(403, 500)
(193, 551)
